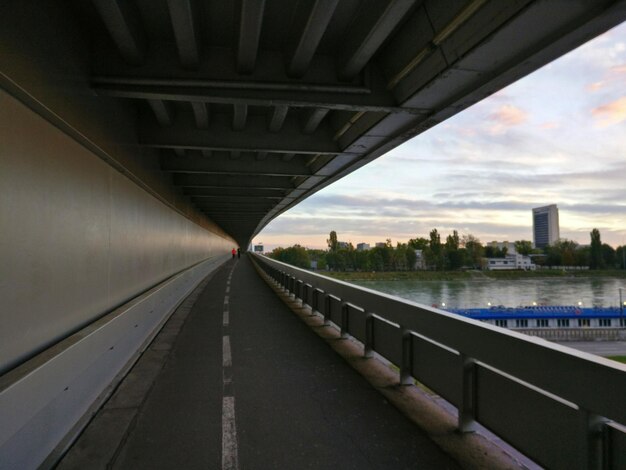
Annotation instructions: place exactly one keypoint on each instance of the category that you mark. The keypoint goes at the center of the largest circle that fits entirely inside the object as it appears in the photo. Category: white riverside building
(545, 226)
(510, 261)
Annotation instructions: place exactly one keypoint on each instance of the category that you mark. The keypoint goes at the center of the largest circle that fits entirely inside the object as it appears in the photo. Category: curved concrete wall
(77, 238)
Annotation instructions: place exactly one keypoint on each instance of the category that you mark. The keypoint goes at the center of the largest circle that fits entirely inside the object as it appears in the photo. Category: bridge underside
(232, 112)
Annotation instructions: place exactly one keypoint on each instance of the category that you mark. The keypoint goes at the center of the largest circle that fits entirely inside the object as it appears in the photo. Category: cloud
(549, 125)
(610, 113)
(595, 86)
(506, 116)
(614, 76)
(509, 115)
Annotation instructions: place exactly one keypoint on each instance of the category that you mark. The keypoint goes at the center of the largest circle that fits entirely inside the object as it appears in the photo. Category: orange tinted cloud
(610, 113)
(550, 125)
(614, 74)
(506, 116)
(596, 86)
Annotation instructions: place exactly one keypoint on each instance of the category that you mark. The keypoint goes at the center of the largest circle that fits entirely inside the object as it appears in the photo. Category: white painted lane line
(230, 459)
(227, 289)
(225, 300)
(226, 319)
(227, 360)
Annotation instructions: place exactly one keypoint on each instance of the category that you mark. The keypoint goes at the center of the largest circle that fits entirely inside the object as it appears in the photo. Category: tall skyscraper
(545, 225)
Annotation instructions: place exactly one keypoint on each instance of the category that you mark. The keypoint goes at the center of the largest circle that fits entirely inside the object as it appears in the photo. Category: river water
(475, 293)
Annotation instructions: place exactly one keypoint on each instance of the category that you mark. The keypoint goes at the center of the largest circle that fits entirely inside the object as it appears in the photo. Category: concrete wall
(78, 238)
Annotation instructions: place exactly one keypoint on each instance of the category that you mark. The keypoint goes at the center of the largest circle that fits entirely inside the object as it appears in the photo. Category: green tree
(553, 255)
(523, 247)
(295, 255)
(608, 256)
(332, 241)
(454, 258)
(620, 255)
(562, 253)
(411, 257)
(376, 260)
(319, 256)
(474, 250)
(494, 251)
(419, 243)
(362, 261)
(388, 256)
(595, 254)
(582, 256)
(399, 257)
(434, 254)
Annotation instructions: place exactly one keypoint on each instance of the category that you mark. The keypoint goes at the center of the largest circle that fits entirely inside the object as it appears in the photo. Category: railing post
(315, 300)
(467, 408)
(368, 347)
(345, 318)
(327, 306)
(407, 358)
(308, 291)
(594, 443)
(298, 290)
(292, 286)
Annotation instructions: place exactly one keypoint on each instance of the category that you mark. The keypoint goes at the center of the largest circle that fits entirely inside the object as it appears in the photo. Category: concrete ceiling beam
(226, 198)
(221, 163)
(217, 68)
(122, 23)
(377, 100)
(162, 111)
(185, 32)
(251, 21)
(221, 136)
(278, 118)
(373, 26)
(208, 192)
(201, 114)
(306, 44)
(313, 119)
(240, 114)
(226, 181)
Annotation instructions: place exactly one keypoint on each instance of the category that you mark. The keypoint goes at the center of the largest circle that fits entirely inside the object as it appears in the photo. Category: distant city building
(342, 245)
(545, 226)
(381, 244)
(258, 248)
(362, 246)
(510, 261)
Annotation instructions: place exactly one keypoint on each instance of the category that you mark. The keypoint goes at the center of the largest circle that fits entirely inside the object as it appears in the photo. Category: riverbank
(468, 275)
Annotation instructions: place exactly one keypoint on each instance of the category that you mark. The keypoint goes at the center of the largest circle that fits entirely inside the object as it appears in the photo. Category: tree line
(454, 253)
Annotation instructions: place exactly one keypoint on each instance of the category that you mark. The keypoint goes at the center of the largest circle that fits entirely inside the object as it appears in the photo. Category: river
(589, 292)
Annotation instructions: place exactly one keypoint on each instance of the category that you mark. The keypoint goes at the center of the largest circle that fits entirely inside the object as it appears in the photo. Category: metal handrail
(589, 387)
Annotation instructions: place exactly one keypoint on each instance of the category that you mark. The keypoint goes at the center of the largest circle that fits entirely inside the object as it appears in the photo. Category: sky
(557, 136)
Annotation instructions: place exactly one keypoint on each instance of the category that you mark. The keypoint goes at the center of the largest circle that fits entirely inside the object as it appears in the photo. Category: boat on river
(540, 316)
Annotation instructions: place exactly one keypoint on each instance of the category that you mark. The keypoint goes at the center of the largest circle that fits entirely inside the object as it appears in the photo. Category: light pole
(621, 308)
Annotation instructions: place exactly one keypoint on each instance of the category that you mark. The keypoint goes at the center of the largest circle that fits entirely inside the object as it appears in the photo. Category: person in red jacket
(233, 252)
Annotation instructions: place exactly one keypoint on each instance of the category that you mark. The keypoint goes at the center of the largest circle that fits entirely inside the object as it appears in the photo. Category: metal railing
(561, 407)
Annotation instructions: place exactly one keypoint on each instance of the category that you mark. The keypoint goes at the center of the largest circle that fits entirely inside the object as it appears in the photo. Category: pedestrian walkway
(238, 381)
